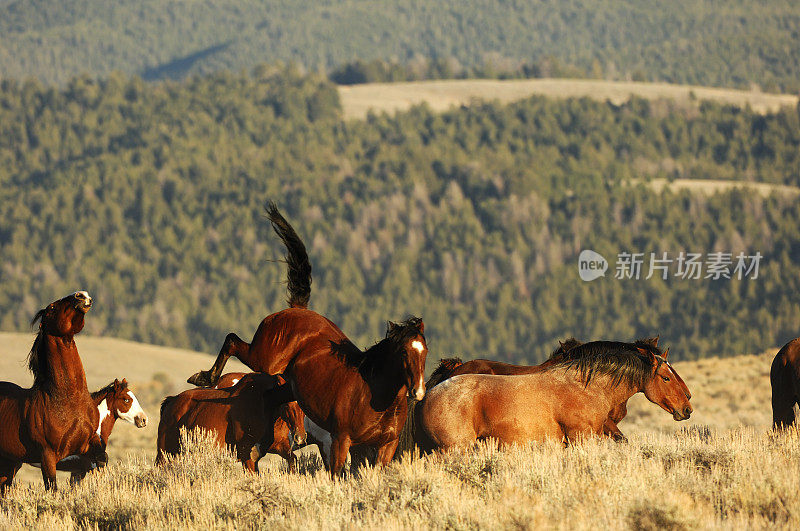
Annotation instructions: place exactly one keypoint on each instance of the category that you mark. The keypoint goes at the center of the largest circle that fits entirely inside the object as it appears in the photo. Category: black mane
(623, 362)
(37, 357)
(107, 389)
(396, 336)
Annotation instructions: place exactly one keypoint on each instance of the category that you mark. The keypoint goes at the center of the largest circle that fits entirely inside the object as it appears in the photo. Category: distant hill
(150, 196)
(735, 43)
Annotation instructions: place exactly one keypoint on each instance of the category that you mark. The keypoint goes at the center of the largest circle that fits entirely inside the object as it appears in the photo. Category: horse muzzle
(682, 414)
(140, 421)
(418, 393)
(84, 301)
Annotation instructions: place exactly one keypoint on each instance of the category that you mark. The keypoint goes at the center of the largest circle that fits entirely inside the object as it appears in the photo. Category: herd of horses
(311, 385)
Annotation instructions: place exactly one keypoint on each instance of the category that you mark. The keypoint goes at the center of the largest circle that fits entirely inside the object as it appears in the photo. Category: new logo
(591, 265)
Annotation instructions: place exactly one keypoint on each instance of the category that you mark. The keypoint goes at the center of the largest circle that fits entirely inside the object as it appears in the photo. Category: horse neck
(383, 368)
(65, 373)
(602, 385)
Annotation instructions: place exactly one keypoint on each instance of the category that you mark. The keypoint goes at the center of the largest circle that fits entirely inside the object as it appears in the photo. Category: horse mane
(564, 347)
(299, 274)
(623, 362)
(108, 388)
(395, 335)
(37, 357)
(443, 371)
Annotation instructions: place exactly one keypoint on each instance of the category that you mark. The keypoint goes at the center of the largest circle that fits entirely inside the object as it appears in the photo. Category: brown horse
(358, 397)
(114, 401)
(568, 400)
(785, 379)
(256, 416)
(453, 367)
(56, 417)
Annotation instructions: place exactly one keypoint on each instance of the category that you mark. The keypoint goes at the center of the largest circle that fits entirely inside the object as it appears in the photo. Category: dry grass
(696, 479)
(441, 95)
(721, 469)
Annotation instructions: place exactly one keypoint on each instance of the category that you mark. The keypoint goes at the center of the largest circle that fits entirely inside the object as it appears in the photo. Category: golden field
(441, 95)
(721, 469)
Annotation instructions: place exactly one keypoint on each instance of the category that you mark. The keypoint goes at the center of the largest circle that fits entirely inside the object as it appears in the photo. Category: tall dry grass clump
(698, 478)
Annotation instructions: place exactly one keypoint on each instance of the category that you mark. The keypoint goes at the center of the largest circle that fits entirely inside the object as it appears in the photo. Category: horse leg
(783, 394)
(8, 469)
(233, 346)
(340, 448)
(611, 430)
(386, 452)
(48, 463)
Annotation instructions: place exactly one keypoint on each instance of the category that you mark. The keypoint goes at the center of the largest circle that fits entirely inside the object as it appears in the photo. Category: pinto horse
(56, 417)
(114, 401)
(256, 416)
(784, 378)
(453, 367)
(568, 400)
(358, 397)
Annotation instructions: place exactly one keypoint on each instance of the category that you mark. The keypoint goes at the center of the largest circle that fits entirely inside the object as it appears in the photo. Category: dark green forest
(732, 43)
(151, 197)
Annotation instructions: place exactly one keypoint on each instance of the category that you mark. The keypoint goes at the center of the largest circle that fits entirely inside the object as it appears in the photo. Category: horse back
(283, 335)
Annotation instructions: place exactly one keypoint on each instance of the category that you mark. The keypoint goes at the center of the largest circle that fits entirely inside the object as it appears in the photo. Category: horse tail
(161, 437)
(299, 275)
(407, 441)
(784, 390)
(443, 371)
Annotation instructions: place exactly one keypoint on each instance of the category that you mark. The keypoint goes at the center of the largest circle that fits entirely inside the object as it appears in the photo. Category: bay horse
(255, 416)
(568, 400)
(358, 397)
(114, 401)
(784, 377)
(55, 417)
(453, 367)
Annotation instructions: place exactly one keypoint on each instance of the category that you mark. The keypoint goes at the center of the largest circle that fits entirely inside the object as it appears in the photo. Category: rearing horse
(56, 417)
(359, 397)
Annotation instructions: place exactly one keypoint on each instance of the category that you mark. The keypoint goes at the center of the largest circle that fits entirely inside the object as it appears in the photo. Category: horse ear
(646, 353)
(391, 327)
(666, 353)
(116, 382)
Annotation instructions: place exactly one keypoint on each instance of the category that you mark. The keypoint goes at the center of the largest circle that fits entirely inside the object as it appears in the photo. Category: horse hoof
(201, 379)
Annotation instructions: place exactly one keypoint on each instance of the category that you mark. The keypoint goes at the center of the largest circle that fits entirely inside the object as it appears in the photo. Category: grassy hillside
(720, 469)
(736, 43)
(442, 95)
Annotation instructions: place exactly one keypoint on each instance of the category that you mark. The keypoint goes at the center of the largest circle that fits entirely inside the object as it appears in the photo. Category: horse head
(295, 419)
(409, 336)
(64, 317)
(123, 404)
(665, 387)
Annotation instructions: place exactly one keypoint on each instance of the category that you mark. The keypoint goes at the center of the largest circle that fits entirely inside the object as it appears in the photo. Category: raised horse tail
(299, 274)
(443, 371)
